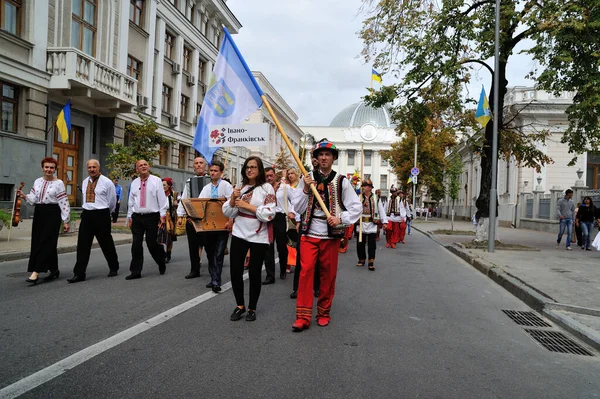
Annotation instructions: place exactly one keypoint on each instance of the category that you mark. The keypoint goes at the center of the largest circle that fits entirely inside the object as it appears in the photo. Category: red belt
(269, 225)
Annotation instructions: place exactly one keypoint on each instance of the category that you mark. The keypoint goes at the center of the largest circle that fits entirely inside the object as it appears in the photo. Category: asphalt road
(423, 325)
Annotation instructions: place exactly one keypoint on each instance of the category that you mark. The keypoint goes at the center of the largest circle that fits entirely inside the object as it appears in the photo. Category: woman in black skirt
(51, 206)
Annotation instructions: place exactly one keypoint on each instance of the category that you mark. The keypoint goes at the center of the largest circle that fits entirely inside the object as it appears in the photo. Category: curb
(61, 250)
(534, 298)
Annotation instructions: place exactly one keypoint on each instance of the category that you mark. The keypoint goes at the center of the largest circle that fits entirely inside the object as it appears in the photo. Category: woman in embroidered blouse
(171, 216)
(51, 206)
(252, 207)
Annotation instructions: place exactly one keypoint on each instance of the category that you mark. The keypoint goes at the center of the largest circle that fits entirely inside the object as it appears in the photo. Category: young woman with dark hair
(585, 219)
(252, 206)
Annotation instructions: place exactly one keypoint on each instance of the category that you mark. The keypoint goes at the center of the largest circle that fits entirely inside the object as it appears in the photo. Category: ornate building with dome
(357, 125)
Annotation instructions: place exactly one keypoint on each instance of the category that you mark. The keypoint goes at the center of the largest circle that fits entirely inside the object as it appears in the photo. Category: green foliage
(145, 143)
(453, 173)
(5, 217)
(430, 43)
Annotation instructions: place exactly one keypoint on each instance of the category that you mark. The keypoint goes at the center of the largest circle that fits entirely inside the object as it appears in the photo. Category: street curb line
(523, 292)
(61, 250)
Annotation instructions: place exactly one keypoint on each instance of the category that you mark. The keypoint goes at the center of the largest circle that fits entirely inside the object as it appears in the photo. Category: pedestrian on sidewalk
(565, 210)
(146, 213)
(99, 201)
(252, 207)
(51, 206)
(119, 194)
(577, 226)
(586, 215)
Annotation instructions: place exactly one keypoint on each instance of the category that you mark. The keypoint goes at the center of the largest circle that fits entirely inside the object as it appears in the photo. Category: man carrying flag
(483, 114)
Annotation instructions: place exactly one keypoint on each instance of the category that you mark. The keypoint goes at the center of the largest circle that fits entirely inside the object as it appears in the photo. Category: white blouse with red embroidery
(248, 226)
(50, 192)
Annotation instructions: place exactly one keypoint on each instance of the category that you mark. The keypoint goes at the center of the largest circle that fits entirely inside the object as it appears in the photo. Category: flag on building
(63, 122)
(233, 95)
(376, 76)
(483, 114)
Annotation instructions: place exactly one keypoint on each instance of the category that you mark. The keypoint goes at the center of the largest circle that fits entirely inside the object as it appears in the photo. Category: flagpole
(362, 169)
(296, 158)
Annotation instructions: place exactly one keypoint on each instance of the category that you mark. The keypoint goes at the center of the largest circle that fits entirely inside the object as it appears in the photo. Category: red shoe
(402, 242)
(300, 325)
(322, 322)
(393, 245)
(387, 244)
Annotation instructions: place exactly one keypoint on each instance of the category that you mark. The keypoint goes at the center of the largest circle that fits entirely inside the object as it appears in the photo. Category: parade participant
(99, 201)
(252, 206)
(171, 217)
(392, 235)
(51, 206)
(146, 213)
(282, 192)
(292, 234)
(320, 235)
(404, 212)
(372, 212)
(119, 194)
(216, 241)
(195, 240)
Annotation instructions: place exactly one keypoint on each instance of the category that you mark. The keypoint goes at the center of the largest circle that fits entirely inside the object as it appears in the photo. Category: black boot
(168, 257)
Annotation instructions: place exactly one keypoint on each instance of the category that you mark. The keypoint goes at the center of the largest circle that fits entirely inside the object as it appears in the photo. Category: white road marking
(41, 377)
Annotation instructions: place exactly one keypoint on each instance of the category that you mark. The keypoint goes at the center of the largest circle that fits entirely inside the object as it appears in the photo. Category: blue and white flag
(232, 96)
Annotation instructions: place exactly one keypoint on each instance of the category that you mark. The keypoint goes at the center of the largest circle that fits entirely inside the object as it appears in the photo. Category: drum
(206, 213)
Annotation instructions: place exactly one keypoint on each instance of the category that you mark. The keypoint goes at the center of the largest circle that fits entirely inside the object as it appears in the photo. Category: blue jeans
(408, 223)
(586, 233)
(568, 224)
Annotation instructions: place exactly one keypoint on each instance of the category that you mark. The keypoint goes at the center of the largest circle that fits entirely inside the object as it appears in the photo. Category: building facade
(532, 110)
(357, 127)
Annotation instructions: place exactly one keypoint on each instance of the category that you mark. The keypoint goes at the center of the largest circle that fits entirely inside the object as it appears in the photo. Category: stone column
(159, 67)
(555, 192)
(342, 161)
(375, 163)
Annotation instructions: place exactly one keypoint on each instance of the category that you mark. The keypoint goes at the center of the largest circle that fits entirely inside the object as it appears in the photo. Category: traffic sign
(414, 179)
(414, 171)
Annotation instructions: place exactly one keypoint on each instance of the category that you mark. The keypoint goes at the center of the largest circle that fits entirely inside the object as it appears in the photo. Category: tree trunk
(483, 201)
(452, 223)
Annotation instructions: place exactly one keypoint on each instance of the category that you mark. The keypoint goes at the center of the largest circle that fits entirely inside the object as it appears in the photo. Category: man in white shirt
(283, 192)
(216, 241)
(372, 212)
(321, 235)
(396, 213)
(146, 213)
(99, 201)
(195, 240)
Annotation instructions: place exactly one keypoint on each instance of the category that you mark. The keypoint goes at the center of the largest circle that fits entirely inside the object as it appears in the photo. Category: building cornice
(23, 74)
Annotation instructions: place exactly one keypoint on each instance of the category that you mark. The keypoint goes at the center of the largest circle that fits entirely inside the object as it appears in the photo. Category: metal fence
(529, 208)
(544, 208)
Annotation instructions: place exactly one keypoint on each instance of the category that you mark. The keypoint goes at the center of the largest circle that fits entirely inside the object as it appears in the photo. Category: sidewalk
(20, 240)
(563, 285)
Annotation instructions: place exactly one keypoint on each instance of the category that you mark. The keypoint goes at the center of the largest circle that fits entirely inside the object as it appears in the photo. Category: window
(184, 107)
(368, 155)
(5, 191)
(201, 67)
(198, 107)
(83, 26)
(187, 57)
(134, 69)
(351, 154)
(136, 11)
(384, 162)
(383, 182)
(183, 153)
(169, 44)
(166, 98)
(10, 13)
(163, 156)
(10, 106)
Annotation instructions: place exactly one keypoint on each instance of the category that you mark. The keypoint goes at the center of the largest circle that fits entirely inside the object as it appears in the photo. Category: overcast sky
(308, 50)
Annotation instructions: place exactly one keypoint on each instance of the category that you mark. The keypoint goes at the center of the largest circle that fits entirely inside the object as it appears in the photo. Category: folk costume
(319, 241)
(51, 206)
(372, 212)
(170, 234)
(396, 214)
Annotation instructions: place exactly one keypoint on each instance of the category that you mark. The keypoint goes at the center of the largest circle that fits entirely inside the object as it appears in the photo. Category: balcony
(90, 82)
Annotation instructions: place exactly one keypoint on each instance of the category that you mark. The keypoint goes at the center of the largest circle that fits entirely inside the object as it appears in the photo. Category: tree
(145, 143)
(283, 159)
(424, 43)
(453, 173)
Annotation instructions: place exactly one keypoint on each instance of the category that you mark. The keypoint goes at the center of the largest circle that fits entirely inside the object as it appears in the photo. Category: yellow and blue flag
(232, 96)
(483, 114)
(409, 180)
(63, 122)
(376, 76)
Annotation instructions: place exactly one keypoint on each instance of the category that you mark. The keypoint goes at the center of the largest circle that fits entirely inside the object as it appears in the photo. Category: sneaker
(251, 316)
(237, 314)
(557, 246)
(568, 248)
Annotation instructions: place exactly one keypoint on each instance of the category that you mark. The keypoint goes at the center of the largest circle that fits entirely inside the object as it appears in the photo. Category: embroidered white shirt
(156, 200)
(370, 227)
(50, 192)
(106, 196)
(225, 190)
(254, 228)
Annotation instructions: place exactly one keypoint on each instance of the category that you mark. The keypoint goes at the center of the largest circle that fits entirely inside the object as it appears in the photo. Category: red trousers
(326, 252)
(396, 233)
(348, 231)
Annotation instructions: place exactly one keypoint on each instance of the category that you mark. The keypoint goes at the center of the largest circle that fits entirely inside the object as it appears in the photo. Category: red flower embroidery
(214, 134)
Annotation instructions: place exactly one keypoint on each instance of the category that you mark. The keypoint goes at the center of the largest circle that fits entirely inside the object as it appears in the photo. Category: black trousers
(215, 252)
(145, 224)
(317, 279)
(371, 240)
(44, 238)
(195, 242)
(115, 214)
(237, 255)
(280, 235)
(97, 224)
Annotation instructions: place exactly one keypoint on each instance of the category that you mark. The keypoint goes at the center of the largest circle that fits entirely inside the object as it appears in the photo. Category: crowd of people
(307, 219)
